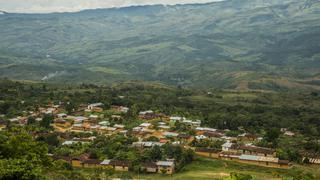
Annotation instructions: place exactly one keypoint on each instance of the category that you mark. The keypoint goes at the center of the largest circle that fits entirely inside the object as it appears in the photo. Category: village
(154, 129)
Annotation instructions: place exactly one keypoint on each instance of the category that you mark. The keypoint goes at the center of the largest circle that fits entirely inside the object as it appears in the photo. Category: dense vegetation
(238, 44)
(258, 113)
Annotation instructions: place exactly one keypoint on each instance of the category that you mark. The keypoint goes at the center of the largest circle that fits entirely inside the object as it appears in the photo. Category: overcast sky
(44, 6)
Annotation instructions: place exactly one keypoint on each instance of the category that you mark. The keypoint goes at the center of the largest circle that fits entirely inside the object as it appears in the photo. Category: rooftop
(165, 163)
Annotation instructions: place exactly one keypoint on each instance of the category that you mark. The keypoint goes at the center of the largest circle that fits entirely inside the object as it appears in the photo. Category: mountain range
(233, 44)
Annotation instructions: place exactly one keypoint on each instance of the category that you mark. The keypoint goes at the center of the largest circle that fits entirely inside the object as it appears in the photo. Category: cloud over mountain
(44, 6)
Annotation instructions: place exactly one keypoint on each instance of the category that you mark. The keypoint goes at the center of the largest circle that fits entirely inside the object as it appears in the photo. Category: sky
(46, 6)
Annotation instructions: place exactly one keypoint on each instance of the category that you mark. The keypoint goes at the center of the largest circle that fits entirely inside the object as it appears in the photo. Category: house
(95, 128)
(185, 138)
(106, 129)
(95, 105)
(147, 144)
(289, 133)
(121, 109)
(247, 137)
(62, 123)
(284, 164)
(258, 151)
(86, 126)
(201, 130)
(146, 125)
(77, 161)
(119, 165)
(142, 132)
(165, 167)
(85, 139)
(313, 160)
(163, 127)
(162, 123)
(93, 117)
(91, 163)
(163, 140)
(77, 127)
(38, 119)
(119, 126)
(176, 118)
(145, 112)
(123, 132)
(230, 139)
(79, 119)
(264, 161)
(62, 115)
(213, 135)
(49, 111)
(208, 152)
(137, 129)
(149, 115)
(170, 134)
(106, 164)
(14, 120)
(104, 123)
(52, 110)
(124, 109)
(229, 155)
(73, 142)
(228, 146)
(196, 123)
(311, 157)
(201, 137)
(149, 167)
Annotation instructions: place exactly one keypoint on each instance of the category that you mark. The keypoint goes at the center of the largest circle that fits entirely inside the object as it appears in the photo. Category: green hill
(234, 44)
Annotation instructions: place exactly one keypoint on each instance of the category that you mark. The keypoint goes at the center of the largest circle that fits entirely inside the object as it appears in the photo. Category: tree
(152, 138)
(22, 157)
(155, 153)
(31, 120)
(51, 139)
(12, 169)
(70, 107)
(272, 135)
(46, 121)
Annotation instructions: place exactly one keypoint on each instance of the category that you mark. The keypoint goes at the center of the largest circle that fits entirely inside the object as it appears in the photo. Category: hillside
(235, 44)
(28, 136)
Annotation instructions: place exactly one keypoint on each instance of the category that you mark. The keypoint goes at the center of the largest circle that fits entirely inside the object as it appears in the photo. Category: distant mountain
(234, 44)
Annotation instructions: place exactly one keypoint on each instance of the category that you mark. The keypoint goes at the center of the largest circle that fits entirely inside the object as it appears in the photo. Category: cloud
(45, 6)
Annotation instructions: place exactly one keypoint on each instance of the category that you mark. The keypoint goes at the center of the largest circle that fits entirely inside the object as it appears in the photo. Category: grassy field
(209, 169)
(215, 169)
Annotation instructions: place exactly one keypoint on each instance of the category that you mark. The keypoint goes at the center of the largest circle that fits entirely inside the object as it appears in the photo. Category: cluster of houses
(90, 118)
(149, 115)
(163, 167)
(90, 123)
(252, 155)
(240, 149)
(247, 154)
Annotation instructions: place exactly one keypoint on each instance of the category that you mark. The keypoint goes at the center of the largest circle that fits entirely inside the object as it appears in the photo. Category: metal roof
(164, 163)
(249, 157)
(105, 162)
